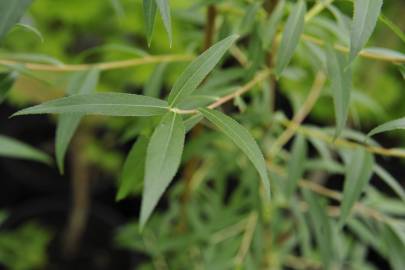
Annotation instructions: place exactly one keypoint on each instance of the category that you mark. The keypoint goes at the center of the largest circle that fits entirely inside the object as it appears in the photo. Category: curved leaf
(391, 125)
(197, 70)
(365, 17)
(292, 33)
(113, 104)
(243, 139)
(12, 148)
(163, 158)
(11, 12)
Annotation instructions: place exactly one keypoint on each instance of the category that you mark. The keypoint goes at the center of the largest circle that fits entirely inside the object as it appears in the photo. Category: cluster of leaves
(250, 228)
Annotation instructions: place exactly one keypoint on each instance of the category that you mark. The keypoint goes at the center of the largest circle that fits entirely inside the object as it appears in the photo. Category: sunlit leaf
(365, 17)
(389, 126)
(113, 104)
(12, 148)
(11, 12)
(81, 83)
(163, 158)
(133, 172)
(243, 139)
(296, 164)
(359, 169)
(341, 80)
(149, 12)
(197, 70)
(291, 36)
(270, 27)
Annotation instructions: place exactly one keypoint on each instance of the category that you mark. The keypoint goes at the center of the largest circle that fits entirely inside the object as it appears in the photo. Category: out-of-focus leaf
(387, 53)
(113, 104)
(149, 12)
(296, 164)
(390, 181)
(117, 6)
(164, 9)
(270, 27)
(249, 18)
(7, 80)
(291, 36)
(365, 17)
(154, 84)
(134, 169)
(394, 28)
(391, 125)
(163, 158)
(192, 121)
(359, 170)
(81, 83)
(197, 70)
(31, 29)
(12, 148)
(341, 80)
(243, 139)
(11, 12)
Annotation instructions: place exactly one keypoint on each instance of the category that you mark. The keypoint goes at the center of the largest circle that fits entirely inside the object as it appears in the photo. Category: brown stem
(210, 26)
(81, 198)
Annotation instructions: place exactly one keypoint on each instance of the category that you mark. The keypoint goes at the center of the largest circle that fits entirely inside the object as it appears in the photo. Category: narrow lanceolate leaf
(81, 83)
(149, 12)
(134, 169)
(11, 12)
(291, 36)
(296, 164)
(365, 17)
(195, 73)
(243, 139)
(7, 80)
(163, 158)
(270, 27)
(341, 82)
(154, 84)
(359, 169)
(113, 104)
(391, 125)
(164, 9)
(12, 148)
(390, 181)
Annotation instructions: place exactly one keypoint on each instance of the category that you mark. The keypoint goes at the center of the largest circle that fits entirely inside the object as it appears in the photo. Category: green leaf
(117, 6)
(163, 158)
(296, 164)
(197, 70)
(7, 80)
(248, 19)
(134, 169)
(12, 148)
(359, 170)
(113, 104)
(192, 121)
(11, 12)
(394, 28)
(391, 125)
(81, 83)
(31, 29)
(154, 84)
(243, 139)
(341, 80)
(365, 17)
(291, 36)
(270, 27)
(149, 11)
(164, 10)
(390, 181)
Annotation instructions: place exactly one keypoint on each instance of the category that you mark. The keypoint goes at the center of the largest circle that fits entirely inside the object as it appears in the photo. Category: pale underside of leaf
(243, 139)
(163, 158)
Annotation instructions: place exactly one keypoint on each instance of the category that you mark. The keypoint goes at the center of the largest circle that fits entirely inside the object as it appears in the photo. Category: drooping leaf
(341, 83)
(243, 139)
(291, 35)
(12, 148)
(7, 80)
(359, 169)
(389, 126)
(11, 12)
(149, 12)
(365, 17)
(163, 158)
(81, 83)
(394, 28)
(113, 104)
(270, 27)
(154, 84)
(31, 29)
(134, 169)
(164, 9)
(197, 70)
(390, 181)
(296, 164)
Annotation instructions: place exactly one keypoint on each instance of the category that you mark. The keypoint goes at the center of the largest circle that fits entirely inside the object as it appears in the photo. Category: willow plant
(244, 197)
